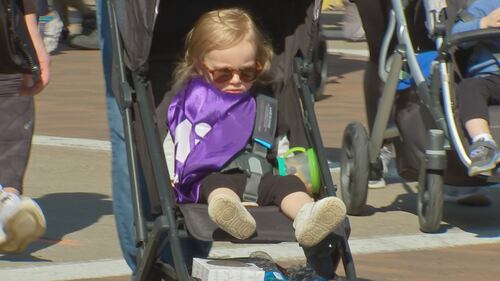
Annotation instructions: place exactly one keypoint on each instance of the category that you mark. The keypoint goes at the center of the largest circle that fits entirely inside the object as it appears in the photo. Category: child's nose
(236, 78)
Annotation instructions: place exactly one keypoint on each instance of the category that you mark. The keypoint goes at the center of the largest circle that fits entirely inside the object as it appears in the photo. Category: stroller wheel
(355, 168)
(430, 199)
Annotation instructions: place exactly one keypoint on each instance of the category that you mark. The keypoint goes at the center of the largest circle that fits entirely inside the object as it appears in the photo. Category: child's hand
(491, 20)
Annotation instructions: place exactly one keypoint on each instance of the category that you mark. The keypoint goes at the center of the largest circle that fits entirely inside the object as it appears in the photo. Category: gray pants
(16, 131)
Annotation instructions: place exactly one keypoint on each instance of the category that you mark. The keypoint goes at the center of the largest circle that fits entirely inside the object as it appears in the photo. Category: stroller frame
(436, 98)
(166, 229)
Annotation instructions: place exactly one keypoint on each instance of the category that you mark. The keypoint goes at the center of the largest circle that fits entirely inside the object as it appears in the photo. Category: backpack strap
(253, 160)
(463, 14)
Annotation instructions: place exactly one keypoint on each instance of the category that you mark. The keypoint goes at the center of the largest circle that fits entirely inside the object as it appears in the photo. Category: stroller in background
(429, 140)
(147, 41)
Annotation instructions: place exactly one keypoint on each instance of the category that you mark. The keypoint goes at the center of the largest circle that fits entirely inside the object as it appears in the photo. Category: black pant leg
(475, 94)
(16, 131)
(235, 181)
(274, 188)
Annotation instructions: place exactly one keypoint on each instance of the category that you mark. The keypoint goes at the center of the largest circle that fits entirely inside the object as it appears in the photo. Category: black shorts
(272, 188)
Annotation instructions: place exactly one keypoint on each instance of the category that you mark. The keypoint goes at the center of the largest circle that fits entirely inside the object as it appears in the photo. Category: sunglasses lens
(225, 75)
(222, 75)
(248, 74)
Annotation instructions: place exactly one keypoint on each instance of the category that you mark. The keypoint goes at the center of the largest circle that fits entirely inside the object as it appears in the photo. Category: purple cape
(208, 128)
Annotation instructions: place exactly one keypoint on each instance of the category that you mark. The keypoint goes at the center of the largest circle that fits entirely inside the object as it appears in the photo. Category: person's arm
(28, 87)
(491, 20)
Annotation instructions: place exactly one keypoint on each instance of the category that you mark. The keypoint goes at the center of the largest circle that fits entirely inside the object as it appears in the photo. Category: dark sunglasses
(225, 74)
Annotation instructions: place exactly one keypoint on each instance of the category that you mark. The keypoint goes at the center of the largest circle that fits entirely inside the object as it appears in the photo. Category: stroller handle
(458, 39)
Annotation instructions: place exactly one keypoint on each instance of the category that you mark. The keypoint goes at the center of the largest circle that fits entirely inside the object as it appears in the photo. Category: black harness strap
(253, 160)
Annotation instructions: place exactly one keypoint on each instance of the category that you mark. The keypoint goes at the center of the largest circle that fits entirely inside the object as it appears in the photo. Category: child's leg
(222, 192)
(474, 95)
(291, 204)
(313, 221)
(478, 128)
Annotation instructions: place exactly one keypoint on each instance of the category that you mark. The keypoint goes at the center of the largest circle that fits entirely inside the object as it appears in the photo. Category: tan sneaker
(316, 220)
(25, 225)
(231, 216)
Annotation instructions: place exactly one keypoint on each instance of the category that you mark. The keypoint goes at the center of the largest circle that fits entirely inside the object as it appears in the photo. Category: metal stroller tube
(455, 137)
(125, 103)
(433, 9)
(411, 58)
(382, 69)
(404, 37)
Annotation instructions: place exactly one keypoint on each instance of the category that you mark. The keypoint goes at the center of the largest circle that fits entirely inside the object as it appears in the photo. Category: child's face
(232, 70)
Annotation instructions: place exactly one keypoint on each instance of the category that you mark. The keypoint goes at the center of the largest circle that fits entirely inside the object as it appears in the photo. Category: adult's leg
(122, 198)
(373, 15)
(16, 127)
(21, 219)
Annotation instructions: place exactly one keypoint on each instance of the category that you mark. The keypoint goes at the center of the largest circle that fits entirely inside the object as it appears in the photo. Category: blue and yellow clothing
(483, 60)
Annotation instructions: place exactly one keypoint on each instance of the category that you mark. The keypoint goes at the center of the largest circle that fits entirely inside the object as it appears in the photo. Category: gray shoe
(483, 156)
(85, 42)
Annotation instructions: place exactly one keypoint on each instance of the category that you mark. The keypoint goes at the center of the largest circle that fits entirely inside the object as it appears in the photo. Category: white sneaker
(376, 184)
(21, 222)
(386, 157)
(316, 220)
(231, 216)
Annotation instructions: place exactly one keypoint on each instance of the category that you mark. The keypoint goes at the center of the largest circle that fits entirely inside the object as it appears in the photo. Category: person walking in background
(21, 219)
(87, 38)
(352, 28)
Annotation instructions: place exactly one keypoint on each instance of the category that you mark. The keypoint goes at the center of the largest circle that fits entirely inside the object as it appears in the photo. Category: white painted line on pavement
(283, 251)
(66, 271)
(423, 241)
(354, 52)
(79, 143)
(392, 243)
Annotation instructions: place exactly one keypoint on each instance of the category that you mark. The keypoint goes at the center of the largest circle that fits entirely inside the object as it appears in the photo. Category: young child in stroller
(481, 87)
(211, 120)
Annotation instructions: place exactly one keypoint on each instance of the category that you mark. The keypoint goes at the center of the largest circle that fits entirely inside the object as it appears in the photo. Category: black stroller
(429, 140)
(147, 41)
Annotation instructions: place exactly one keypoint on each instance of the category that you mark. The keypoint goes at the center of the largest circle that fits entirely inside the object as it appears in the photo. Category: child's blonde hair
(218, 30)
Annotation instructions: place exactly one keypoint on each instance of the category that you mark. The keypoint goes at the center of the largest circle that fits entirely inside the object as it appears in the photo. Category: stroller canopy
(152, 27)
(136, 21)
